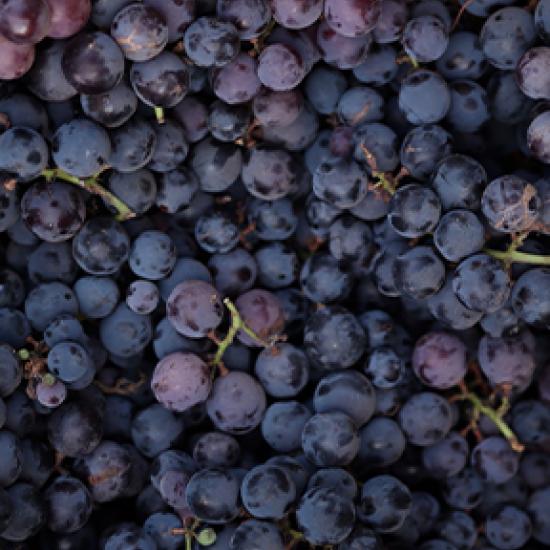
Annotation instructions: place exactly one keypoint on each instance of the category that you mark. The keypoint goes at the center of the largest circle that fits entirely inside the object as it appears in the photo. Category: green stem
(91, 185)
(188, 541)
(384, 182)
(236, 324)
(496, 418)
(159, 114)
(513, 256)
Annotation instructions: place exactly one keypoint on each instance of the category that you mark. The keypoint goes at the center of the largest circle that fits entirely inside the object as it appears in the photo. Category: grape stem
(237, 324)
(513, 256)
(92, 186)
(159, 114)
(496, 416)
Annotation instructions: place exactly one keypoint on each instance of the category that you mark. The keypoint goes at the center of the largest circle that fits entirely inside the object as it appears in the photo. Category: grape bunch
(274, 274)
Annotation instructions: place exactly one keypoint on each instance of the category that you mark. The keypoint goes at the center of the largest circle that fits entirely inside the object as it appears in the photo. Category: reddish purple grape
(439, 360)
(16, 59)
(24, 21)
(181, 380)
(194, 308)
(68, 17)
(51, 395)
(262, 313)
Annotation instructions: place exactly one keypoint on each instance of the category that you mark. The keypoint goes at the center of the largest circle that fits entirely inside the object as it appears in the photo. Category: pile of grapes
(275, 274)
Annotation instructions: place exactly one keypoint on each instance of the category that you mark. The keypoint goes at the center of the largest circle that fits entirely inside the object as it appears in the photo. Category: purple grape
(280, 68)
(194, 308)
(352, 17)
(494, 460)
(439, 360)
(51, 395)
(237, 403)
(181, 380)
(262, 313)
(506, 360)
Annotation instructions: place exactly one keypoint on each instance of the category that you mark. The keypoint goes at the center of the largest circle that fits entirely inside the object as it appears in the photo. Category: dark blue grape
(381, 443)
(250, 17)
(325, 516)
(324, 280)
(159, 526)
(47, 301)
(425, 38)
(252, 534)
(282, 425)
(171, 148)
(28, 513)
(268, 492)
(140, 31)
(426, 418)
(216, 233)
(23, 153)
(236, 82)
(463, 58)
(509, 528)
(134, 144)
(459, 234)
(212, 495)
(385, 503)
(330, 439)
(112, 108)
(340, 51)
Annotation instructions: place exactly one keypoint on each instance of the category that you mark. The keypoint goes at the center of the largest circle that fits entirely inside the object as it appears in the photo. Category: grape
(341, 51)
(216, 450)
(323, 87)
(142, 297)
(81, 147)
(23, 152)
(12, 292)
(283, 371)
(525, 300)
(112, 108)
(65, 496)
(160, 82)
(468, 235)
(69, 361)
(385, 503)
(16, 60)
(128, 534)
(277, 265)
(352, 18)
(494, 460)
(140, 31)
(330, 439)
(510, 204)
(333, 338)
(323, 280)
(14, 330)
(280, 68)
(253, 533)
(97, 296)
(47, 301)
(155, 429)
(531, 73)
(268, 173)
(92, 63)
(391, 21)
(178, 14)
(237, 81)
(267, 491)
(463, 58)
(75, 429)
(508, 528)
(439, 360)
(133, 145)
(101, 246)
(537, 507)
(425, 38)
(53, 211)
(273, 108)
(381, 443)
(125, 333)
(282, 425)
(68, 17)
(426, 418)
(216, 164)
(159, 527)
(234, 272)
(237, 403)
(262, 314)
(210, 42)
(506, 35)
(418, 272)
(192, 115)
(348, 392)
(414, 210)
(216, 233)
(325, 516)
(447, 457)
(481, 283)
(212, 496)
(506, 361)
(28, 513)
(11, 462)
(152, 255)
(250, 17)
(424, 97)
(137, 189)
(228, 122)
(423, 147)
(25, 22)
(185, 269)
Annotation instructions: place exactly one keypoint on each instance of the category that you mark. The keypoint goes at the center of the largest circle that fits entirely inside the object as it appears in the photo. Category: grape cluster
(274, 274)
